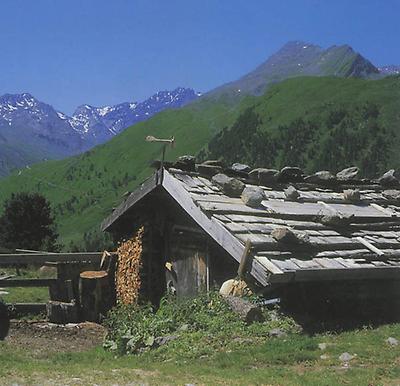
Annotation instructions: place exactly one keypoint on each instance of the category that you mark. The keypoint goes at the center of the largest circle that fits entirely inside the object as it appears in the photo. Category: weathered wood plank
(370, 246)
(271, 267)
(348, 274)
(40, 259)
(329, 263)
(211, 197)
(285, 265)
(306, 264)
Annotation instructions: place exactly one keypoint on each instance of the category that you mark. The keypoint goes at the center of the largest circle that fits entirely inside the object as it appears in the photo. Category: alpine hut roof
(301, 228)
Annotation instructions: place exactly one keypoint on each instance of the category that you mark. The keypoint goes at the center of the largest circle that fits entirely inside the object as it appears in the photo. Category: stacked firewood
(127, 278)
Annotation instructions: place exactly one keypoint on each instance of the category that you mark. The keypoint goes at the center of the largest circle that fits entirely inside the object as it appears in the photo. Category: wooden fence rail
(62, 289)
(8, 283)
(42, 258)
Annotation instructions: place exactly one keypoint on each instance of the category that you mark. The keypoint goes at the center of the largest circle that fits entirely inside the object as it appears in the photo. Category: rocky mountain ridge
(33, 131)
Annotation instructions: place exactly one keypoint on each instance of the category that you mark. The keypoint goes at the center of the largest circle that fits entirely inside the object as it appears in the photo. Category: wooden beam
(26, 283)
(244, 259)
(41, 259)
(370, 246)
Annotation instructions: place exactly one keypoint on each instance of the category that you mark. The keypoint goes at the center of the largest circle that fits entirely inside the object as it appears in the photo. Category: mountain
(33, 131)
(98, 124)
(298, 58)
(351, 102)
(389, 70)
(315, 122)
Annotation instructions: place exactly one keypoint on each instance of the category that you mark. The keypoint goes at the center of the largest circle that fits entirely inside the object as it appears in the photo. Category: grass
(293, 360)
(26, 294)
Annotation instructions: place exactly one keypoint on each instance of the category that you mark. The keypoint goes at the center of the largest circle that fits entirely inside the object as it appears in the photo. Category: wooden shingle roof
(367, 246)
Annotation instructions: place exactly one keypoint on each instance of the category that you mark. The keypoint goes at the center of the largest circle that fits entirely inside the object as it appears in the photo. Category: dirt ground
(41, 337)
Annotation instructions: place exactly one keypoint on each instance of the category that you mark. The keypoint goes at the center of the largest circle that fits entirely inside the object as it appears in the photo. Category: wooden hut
(324, 235)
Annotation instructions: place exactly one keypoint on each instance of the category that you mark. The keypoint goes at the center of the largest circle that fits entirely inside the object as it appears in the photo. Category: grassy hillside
(318, 123)
(313, 122)
(83, 189)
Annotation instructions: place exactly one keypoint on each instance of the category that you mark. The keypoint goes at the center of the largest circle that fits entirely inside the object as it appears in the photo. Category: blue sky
(69, 52)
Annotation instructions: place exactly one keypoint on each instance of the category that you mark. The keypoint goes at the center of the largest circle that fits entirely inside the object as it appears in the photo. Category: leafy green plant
(205, 318)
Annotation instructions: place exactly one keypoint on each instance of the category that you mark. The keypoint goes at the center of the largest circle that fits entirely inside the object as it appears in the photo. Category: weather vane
(166, 142)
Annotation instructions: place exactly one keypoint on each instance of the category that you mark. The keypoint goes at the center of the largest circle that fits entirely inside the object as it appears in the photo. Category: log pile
(127, 277)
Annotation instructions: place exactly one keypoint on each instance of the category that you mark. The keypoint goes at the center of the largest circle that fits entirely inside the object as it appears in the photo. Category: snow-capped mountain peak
(98, 124)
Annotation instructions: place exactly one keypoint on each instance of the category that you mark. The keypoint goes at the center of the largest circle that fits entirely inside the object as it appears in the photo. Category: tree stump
(95, 295)
(61, 312)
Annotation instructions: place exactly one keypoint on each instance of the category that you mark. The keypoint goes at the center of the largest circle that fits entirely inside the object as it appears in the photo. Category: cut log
(233, 287)
(246, 310)
(61, 312)
(95, 295)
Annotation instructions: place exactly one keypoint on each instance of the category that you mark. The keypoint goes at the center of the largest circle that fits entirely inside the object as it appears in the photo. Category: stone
(187, 159)
(186, 162)
(267, 176)
(285, 235)
(163, 340)
(337, 219)
(324, 356)
(253, 196)
(213, 163)
(232, 187)
(346, 357)
(391, 194)
(184, 327)
(277, 333)
(237, 167)
(351, 195)
(291, 193)
(208, 170)
(290, 174)
(262, 176)
(390, 178)
(303, 238)
(392, 341)
(322, 177)
(348, 173)
(322, 346)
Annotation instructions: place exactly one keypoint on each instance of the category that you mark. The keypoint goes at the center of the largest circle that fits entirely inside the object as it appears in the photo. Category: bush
(205, 318)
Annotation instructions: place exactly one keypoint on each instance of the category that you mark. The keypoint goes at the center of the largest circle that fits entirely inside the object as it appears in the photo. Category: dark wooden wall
(342, 304)
(198, 263)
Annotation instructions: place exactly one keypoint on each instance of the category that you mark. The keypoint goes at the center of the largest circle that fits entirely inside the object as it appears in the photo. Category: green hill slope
(313, 122)
(83, 189)
(318, 123)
